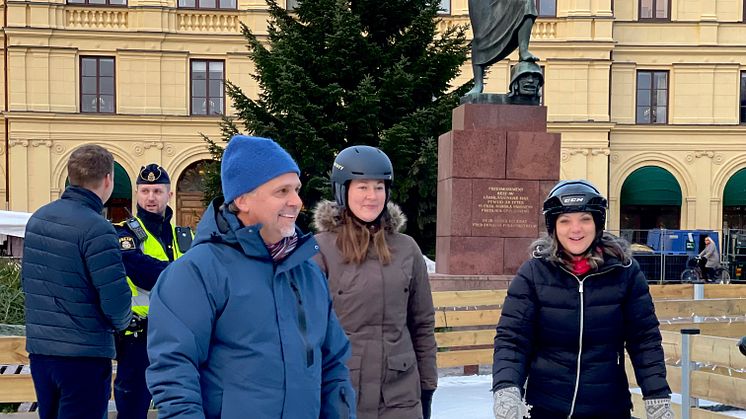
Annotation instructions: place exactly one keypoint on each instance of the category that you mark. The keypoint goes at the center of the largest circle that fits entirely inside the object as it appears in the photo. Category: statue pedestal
(495, 167)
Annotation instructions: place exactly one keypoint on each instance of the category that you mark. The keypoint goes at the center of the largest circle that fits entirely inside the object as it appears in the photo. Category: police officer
(148, 242)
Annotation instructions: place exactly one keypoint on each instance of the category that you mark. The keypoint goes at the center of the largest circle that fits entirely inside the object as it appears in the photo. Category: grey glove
(509, 405)
(658, 409)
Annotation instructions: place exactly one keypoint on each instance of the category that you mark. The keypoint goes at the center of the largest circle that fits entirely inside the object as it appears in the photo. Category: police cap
(153, 174)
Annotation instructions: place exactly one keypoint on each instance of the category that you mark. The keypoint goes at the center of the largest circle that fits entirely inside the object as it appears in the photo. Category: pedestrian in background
(570, 312)
(709, 259)
(76, 292)
(380, 287)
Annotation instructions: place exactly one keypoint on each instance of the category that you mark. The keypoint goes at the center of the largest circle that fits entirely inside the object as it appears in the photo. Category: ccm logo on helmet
(572, 200)
(339, 166)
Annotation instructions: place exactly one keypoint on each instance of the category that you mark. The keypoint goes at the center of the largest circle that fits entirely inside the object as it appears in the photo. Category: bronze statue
(526, 79)
(499, 27)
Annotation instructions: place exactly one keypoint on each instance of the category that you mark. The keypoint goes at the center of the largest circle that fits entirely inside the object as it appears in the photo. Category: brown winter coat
(387, 312)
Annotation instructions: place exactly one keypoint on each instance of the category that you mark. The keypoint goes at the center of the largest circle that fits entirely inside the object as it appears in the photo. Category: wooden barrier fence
(465, 329)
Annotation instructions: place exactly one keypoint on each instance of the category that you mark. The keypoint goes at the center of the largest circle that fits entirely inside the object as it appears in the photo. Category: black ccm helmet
(359, 162)
(575, 196)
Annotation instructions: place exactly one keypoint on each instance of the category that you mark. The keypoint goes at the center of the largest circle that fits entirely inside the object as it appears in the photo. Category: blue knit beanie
(249, 162)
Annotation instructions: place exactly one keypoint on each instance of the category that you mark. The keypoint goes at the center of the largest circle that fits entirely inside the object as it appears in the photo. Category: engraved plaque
(505, 208)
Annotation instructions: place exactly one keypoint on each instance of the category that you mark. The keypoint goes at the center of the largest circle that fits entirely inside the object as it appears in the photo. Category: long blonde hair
(354, 239)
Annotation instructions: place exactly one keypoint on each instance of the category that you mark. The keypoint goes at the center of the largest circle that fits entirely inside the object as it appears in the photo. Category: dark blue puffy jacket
(232, 334)
(569, 339)
(73, 278)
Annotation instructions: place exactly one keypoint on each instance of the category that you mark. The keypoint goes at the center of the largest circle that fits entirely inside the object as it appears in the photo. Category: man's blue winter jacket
(73, 278)
(234, 335)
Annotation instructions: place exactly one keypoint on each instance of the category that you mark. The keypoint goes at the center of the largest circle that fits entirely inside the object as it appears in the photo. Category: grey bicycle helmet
(359, 162)
(575, 196)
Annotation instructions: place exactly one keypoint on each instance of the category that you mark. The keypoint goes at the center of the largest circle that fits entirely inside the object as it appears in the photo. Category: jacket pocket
(401, 386)
(354, 364)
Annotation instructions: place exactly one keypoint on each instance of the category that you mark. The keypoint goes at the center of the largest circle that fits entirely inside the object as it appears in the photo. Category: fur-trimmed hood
(327, 217)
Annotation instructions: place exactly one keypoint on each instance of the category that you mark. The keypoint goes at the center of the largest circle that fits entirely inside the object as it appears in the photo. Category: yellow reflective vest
(151, 246)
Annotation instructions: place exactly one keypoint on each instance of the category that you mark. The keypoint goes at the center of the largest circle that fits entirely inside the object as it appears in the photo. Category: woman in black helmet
(571, 311)
(380, 289)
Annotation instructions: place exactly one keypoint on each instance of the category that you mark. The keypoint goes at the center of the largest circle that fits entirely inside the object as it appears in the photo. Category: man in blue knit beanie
(242, 324)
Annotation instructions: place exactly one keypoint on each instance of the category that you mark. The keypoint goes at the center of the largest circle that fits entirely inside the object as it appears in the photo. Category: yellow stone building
(648, 95)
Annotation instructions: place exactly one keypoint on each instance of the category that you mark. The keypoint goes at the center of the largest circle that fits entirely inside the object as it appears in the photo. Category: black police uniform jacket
(567, 335)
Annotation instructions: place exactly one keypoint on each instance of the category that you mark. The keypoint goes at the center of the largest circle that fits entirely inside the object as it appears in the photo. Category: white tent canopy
(13, 223)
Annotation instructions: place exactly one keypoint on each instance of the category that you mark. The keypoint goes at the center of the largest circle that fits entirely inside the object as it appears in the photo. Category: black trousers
(71, 387)
(130, 390)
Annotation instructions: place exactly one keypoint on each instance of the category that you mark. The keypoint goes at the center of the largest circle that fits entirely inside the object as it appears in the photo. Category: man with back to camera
(242, 325)
(149, 242)
(76, 292)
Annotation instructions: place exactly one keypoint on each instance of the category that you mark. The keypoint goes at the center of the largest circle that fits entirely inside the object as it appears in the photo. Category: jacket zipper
(302, 324)
(580, 338)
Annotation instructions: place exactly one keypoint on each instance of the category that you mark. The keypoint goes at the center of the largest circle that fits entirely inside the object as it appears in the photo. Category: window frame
(207, 86)
(448, 11)
(197, 7)
(653, 95)
(742, 98)
(88, 3)
(98, 59)
(538, 9)
(654, 18)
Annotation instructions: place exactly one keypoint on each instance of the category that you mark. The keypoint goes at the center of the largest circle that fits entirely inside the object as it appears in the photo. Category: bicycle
(693, 273)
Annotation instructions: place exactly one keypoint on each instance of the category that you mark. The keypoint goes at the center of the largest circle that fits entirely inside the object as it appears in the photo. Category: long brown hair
(549, 248)
(354, 239)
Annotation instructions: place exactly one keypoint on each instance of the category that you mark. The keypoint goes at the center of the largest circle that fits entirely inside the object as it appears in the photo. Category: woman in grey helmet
(571, 311)
(380, 289)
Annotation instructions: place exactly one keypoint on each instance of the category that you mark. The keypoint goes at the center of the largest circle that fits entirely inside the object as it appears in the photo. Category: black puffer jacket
(74, 280)
(568, 334)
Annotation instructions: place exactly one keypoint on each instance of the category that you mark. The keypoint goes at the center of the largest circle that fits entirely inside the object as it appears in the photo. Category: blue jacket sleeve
(337, 394)
(182, 313)
(643, 338)
(104, 265)
(142, 269)
(514, 339)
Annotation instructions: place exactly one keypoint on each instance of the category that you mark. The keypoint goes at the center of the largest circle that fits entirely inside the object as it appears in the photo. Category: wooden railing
(465, 329)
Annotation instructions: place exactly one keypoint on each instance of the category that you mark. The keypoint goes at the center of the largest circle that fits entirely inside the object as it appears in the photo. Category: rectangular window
(445, 7)
(546, 8)
(208, 90)
(97, 85)
(98, 2)
(652, 97)
(207, 4)
(654, 9)
(743, 97)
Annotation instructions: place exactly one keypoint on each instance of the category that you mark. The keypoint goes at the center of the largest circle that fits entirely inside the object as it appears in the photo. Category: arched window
(650, 199)
(734, 201)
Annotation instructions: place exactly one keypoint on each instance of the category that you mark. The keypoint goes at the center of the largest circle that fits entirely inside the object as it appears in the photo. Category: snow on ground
(466, 397)
(469, 397)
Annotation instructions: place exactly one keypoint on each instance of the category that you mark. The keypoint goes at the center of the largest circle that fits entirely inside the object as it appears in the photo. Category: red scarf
(580, 266)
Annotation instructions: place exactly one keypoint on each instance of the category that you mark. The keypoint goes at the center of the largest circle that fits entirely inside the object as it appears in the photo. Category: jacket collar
(155, 223)
(84, 196)
(327, 217)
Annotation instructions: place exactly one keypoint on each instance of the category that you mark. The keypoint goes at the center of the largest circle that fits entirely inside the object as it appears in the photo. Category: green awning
(734, 194)
(651, 185)
(122, 184)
